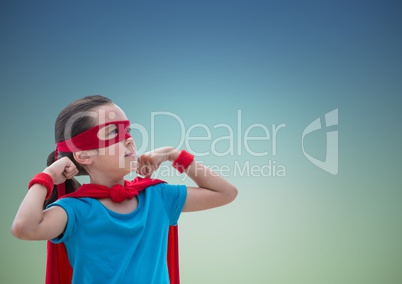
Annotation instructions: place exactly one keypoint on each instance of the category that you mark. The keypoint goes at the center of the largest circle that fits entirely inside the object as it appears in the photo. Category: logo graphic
(330, 164)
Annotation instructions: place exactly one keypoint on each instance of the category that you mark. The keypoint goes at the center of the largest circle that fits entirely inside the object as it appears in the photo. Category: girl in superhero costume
(111, 230)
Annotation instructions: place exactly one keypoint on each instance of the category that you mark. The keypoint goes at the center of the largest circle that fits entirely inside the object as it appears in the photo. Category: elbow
(231, 194)
(19, 230)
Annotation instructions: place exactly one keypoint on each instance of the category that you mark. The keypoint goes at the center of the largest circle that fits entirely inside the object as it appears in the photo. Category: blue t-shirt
(108, 247)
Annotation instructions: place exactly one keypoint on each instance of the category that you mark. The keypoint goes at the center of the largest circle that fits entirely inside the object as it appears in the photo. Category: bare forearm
(203, 176)
(206, 178)
(212, 191)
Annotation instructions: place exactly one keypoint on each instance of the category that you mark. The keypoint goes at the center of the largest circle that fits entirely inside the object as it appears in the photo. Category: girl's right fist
(61, 170)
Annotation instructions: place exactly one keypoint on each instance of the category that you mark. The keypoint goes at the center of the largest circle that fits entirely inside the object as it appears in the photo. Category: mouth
(131, 155)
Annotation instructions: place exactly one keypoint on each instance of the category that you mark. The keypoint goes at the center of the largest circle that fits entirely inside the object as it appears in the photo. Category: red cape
(58, 268)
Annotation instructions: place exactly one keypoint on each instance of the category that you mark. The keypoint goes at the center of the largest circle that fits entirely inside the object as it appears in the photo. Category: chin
(129, 166)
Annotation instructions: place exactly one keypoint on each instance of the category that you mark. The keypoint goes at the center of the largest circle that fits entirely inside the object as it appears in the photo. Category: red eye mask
(89, 140)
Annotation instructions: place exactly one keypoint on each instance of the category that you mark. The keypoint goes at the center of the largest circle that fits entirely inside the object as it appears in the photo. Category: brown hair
(81, 122)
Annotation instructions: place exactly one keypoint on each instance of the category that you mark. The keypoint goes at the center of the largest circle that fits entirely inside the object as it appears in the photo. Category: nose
(129, 143)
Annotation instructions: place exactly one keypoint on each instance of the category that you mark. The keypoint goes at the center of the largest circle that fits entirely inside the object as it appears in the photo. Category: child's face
(117, 159)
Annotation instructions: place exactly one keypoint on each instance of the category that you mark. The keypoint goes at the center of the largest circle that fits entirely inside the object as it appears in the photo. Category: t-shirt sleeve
(173, 197)
(65, 203)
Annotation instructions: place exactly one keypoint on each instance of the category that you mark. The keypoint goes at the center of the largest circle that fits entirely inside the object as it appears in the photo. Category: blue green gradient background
(277, 62)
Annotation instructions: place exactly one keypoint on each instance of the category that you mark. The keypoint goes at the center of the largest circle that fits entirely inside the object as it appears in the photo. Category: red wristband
(45, 180)
(183, 161)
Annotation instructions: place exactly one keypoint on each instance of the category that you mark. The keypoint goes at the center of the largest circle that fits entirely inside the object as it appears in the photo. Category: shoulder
(73, 201)
(166, 189)
(74, 206)
(167, 192)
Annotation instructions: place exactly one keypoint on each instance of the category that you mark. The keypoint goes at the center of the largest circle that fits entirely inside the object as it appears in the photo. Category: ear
(84, 157)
